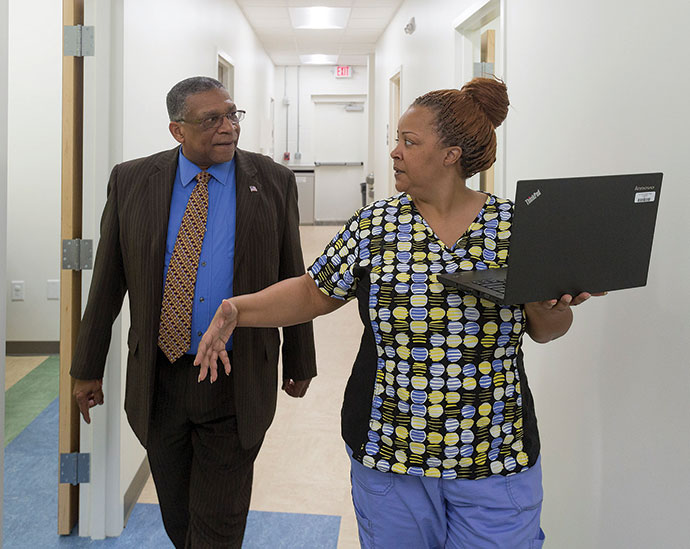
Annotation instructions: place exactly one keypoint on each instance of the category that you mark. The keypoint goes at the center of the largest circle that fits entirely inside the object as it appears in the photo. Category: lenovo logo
(531, 198)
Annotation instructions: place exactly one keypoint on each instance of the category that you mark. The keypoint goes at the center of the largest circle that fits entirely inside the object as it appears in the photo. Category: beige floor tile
(314, 240)
(348, 538)
(148, 494)
(303, 467)
(16, 367)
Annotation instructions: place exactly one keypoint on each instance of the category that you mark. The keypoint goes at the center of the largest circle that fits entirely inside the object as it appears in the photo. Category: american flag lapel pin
(253, 189)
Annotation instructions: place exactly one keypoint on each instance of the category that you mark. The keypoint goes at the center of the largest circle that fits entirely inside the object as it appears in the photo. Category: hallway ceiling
(270, 20)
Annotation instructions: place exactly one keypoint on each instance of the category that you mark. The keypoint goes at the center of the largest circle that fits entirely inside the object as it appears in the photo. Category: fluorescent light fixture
(318, 59)
(319, 17)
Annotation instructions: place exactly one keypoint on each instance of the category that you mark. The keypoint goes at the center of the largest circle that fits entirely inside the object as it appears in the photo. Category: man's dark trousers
(202, 474)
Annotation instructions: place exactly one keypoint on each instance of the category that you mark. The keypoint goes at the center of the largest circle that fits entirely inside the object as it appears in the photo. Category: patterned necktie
(175, 332)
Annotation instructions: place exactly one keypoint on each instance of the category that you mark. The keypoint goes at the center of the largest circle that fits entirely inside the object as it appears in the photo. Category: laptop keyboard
(492, 284)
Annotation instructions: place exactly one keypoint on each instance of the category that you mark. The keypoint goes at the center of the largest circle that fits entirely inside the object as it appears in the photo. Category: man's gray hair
(177, 96)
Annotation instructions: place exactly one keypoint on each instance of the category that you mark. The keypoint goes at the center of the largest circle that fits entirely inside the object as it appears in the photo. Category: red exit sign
(343, 71)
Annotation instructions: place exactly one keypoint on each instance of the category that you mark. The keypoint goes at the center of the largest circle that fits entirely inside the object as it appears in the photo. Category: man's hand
(88, 393)
(212, 344)
(296, 389)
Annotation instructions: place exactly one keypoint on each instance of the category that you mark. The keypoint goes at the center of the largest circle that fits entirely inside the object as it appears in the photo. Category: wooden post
(488, 55)
(70, 281)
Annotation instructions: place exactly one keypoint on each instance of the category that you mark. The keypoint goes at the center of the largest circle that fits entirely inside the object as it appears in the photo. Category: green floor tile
(30, 395)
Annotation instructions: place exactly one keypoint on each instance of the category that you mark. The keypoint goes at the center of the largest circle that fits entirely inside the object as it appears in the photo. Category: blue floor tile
(290, 531)
(30, 506)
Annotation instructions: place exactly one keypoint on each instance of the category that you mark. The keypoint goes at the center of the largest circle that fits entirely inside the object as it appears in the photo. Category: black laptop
(571, 235)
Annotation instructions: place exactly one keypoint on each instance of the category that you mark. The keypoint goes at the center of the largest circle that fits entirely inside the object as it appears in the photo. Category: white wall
(156, 56)
(313, 80)
(33, 191)
(595, 88)
(425, 60)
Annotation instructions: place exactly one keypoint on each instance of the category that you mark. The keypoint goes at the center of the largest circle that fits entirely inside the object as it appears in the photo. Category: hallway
(611, 397)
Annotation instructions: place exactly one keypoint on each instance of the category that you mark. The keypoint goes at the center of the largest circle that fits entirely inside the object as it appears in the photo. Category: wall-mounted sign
(343, 71)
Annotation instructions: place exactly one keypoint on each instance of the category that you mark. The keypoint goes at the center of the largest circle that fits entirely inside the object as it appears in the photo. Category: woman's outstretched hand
(212, 345)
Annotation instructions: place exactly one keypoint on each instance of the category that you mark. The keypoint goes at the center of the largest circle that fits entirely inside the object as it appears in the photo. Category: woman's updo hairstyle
(467, 118)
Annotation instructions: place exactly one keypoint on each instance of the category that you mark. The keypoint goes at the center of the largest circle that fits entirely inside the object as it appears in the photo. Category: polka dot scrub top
(438, 387)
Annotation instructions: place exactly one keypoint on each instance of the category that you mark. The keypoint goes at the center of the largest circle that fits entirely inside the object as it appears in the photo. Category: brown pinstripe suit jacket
(130, 258)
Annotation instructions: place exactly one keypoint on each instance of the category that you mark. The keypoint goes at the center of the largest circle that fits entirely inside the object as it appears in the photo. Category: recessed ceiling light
(318, 59)
(319, 17)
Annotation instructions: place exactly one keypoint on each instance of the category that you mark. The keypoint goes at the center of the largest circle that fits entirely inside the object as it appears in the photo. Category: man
(181, 230)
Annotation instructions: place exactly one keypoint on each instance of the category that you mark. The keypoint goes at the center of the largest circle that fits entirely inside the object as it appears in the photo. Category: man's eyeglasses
(214, 122)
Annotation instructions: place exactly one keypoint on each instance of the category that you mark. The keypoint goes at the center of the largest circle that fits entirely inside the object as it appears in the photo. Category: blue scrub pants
(402, 511)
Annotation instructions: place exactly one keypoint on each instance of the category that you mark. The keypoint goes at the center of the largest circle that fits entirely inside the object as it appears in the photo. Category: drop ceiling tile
(395, 4)
(261, 3)
(368, 35)
(319, 48)
(352, 60)
(278, 34)
(384, 14)
(323, 3)
(278, 46)
(371, 24)
(285, 59)
(357, 49)
(271, 23)
(326, 37)
(257, 13)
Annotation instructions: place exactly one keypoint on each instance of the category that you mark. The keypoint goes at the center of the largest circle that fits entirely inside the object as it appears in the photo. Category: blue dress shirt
(215, 273)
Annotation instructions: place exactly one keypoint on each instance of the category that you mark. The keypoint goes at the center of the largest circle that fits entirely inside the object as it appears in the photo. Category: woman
(438, 417)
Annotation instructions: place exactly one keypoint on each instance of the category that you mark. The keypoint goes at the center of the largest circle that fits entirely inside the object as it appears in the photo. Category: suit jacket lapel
(160, 186)
(247, 193)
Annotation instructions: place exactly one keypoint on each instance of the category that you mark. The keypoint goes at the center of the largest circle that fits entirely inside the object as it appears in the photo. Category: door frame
(70, 281)
(469, 21)
(228, 80)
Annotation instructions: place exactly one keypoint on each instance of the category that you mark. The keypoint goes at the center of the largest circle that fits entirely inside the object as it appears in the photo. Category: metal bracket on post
(484, 70)
(75, 468)
(77, 254)
(79, 41)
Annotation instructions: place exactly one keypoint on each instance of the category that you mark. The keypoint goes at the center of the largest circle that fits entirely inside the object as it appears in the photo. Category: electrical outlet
(53, 290)
(17, 290)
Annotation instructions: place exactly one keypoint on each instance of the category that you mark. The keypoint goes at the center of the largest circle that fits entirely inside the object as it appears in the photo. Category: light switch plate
(53, 290)
(17, 290)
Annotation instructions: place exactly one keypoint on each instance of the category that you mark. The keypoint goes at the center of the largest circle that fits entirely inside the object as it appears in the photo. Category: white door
(340, 148)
